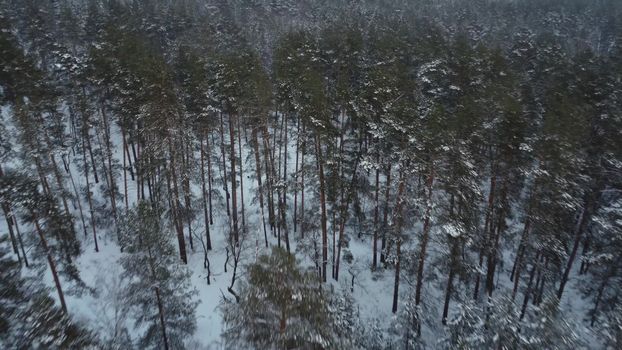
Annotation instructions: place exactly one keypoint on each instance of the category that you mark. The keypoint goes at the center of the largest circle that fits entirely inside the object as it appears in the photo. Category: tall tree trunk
(454, 252)
(318, 153)
(61, 188)
(296, 174)
(234, 194)
(425, 235)
(241, 176)
(532, 273)
(161, 314)
(578, 233)
(175, 205)
(186, 161)
(484, 247)
(259, 184)
(374, 263)
(224, 163)
(209, 180)
(126, 152)
(204, 196)
(78, 200)
(112, 183)
(269, 160)
(284, 189)
(398, 221)
(345, 206)
(125, 198)
(8, 216)
(495, 235)
(88, 188)
(396, 282)
(302, 183)
(46, 249)
(385, 219)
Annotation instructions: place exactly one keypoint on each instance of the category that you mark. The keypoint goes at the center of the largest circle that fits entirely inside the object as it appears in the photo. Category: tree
(281, 306)
(29, 317)
(158, 292)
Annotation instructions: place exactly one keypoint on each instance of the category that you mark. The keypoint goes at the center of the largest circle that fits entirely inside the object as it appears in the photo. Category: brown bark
(46, 249)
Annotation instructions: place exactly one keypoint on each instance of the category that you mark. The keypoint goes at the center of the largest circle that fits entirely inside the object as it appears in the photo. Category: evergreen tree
(158, 292)
(29, 317)
(281, 306)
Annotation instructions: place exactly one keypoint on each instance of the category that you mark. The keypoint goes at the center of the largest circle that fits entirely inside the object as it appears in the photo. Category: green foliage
(158, 285)
(29, 317)
(280, 307)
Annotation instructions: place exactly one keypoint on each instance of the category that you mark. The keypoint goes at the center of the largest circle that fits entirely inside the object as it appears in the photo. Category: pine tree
(29, 317)
(158, 292)
(281, 306)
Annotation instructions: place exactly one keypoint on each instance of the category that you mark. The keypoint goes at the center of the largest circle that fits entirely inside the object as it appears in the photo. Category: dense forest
(330, 174)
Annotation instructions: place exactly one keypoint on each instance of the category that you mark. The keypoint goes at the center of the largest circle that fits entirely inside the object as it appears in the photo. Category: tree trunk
(396, 283)
(302, 183)
(450, 281)
(296, 176)
(529, 284)
(175, 206)
(399, 219)
(259, 184)
(224, 163)
(448, 291)
(161, 313)
(269, 176)
(78, 200)
(284, 189)
(234, 193)
(88, 188)
(241, 176)
(578, 233)
(425, 236)
(113, 185)
(345, 206)
(204, 195)
(318, 152)
(385, 220)
(484, 247)
(59, 289)
(374, 263)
